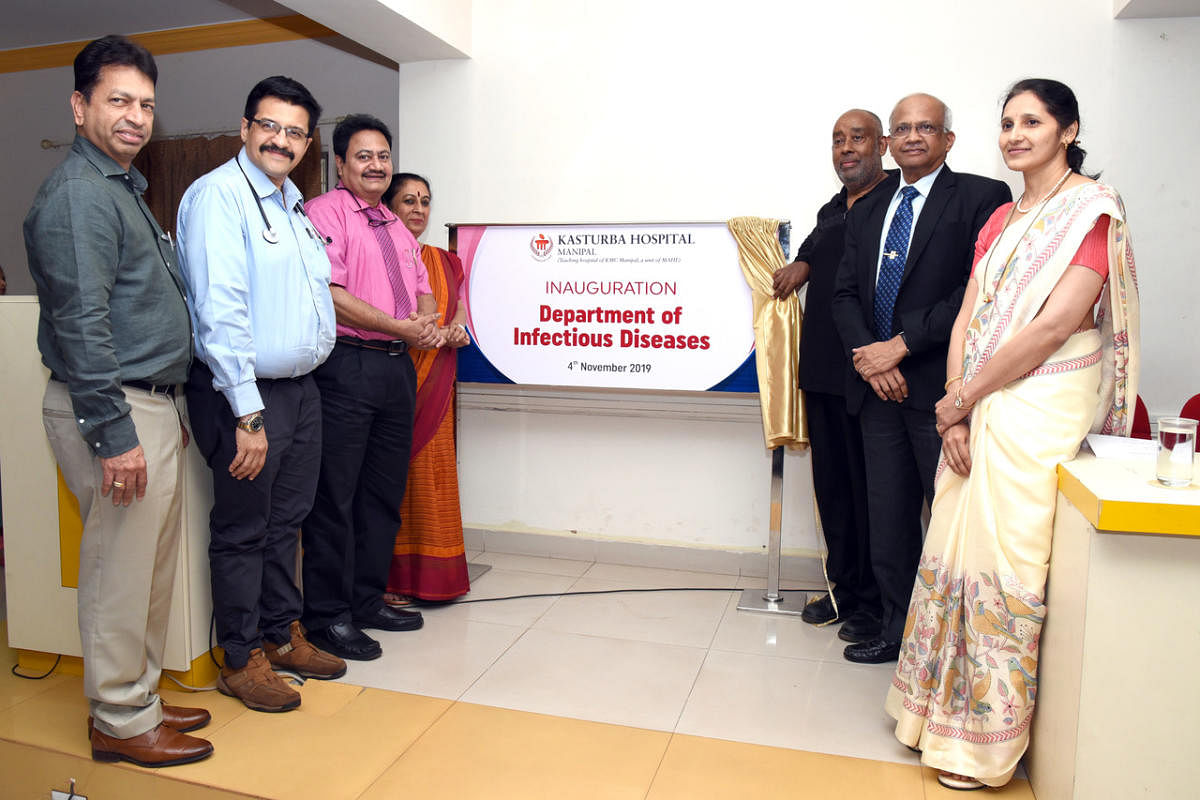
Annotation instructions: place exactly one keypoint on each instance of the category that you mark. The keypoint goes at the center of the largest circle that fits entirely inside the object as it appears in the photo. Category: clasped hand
(947, 414)
(876, 364)
(428, 335)
(455, 336)
(872, 359)
(951, 425)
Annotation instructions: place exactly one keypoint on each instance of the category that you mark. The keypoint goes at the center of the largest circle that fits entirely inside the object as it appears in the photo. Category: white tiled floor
(674, 661)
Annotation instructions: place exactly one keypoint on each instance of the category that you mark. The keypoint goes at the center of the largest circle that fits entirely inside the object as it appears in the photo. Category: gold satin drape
(776, 332)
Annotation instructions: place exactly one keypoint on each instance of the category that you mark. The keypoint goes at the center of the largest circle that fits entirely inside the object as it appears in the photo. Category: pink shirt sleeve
(328, 221)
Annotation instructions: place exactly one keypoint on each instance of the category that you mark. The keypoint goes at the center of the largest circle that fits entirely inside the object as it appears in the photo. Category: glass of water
(1176, 445)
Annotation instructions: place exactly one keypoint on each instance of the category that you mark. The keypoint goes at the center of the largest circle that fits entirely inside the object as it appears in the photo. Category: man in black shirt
(839, 480)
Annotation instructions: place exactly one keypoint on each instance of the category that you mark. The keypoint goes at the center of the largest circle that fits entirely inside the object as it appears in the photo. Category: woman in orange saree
(428, 560)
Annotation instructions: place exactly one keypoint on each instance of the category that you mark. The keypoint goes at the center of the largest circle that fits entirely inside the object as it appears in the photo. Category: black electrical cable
(571, 594)
(601, 591)
(212, 632)
(213, 619)
(46, 674)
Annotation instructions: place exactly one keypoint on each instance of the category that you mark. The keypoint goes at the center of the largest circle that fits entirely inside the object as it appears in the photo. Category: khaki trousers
(127, 560)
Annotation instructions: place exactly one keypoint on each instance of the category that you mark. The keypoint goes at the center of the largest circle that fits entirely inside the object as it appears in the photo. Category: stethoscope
(269, 235)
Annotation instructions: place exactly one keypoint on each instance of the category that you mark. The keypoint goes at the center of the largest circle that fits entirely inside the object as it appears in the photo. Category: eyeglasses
(366, 157)
(272, 127)
(923, 128)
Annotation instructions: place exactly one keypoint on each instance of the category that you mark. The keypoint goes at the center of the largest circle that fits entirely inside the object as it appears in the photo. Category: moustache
(270, 148)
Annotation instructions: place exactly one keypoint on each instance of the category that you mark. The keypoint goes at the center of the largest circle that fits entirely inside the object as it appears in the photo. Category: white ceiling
(1155, 9)
(35, 22)
(397, 30)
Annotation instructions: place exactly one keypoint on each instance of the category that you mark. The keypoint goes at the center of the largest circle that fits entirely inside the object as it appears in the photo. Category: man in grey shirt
(115, 335)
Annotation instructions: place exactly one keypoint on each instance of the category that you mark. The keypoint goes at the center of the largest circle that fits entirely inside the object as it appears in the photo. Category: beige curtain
(776, 332)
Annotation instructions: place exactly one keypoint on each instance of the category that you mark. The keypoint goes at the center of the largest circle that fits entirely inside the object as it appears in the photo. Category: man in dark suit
(899, 288)
(838, 474)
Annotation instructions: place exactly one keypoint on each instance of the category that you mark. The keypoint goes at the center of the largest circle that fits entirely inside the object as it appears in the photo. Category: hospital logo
(541, 247)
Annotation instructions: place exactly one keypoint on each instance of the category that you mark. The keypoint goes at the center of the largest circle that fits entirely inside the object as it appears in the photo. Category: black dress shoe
(820, 612)
(862, 626)
(876, 651)
(345, 641)
(392, 619)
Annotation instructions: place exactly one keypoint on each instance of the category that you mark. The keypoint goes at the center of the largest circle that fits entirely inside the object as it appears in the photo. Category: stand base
(791, 603)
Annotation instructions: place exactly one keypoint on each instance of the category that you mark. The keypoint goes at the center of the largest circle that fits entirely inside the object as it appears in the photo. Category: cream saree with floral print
(966, 683)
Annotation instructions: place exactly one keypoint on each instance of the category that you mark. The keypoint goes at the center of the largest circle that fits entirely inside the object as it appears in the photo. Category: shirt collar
(924, 184)
(355, 203)
(105, 164)
(264, 187)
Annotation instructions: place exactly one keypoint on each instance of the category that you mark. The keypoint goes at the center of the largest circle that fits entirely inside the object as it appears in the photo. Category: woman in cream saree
(1030, 372)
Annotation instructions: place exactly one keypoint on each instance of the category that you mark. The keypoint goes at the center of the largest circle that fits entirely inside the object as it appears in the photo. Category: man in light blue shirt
(258, 292)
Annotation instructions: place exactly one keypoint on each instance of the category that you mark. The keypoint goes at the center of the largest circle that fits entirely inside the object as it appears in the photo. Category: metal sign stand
(773, 601)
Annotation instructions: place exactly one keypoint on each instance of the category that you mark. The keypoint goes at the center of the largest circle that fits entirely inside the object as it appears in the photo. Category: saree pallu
(428, 559)
(966, 683)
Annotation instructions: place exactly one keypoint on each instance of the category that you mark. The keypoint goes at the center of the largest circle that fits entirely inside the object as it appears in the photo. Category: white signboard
(662, 306)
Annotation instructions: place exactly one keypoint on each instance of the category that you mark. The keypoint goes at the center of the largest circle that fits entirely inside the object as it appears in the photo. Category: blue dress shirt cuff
(244, 398)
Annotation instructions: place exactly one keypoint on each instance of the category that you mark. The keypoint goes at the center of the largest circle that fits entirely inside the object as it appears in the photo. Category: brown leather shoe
(184, 718)
(178, 718)
(158, 747)
(303, 658)
(257, 685)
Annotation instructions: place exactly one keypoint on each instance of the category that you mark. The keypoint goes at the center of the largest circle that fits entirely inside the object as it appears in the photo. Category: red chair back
(1191, 408)
(1141, 421)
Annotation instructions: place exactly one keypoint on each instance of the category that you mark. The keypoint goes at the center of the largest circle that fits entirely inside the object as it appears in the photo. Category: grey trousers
(127, 560)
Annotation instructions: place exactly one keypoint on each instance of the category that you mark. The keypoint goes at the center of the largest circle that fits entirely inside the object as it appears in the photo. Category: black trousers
(254, 524)
(368, 398)
(840, 484)
(901, 449)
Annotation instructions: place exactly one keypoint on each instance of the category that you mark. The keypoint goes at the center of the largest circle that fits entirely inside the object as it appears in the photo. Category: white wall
(200, 91)
(637, 111)
(630, 110)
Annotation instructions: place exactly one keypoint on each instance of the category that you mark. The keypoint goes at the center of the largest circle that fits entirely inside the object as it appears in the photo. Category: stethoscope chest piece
(270, 236)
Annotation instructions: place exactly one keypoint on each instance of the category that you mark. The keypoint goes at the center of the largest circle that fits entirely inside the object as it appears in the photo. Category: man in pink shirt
(384, 306)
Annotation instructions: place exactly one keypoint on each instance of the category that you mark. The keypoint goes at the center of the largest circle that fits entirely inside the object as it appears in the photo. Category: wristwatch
(252, 423)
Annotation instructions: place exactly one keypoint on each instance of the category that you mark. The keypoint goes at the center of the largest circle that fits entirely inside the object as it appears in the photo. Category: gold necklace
(989, 296)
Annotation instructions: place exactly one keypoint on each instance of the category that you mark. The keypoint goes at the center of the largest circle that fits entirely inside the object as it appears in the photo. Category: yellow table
(1118, 694)
(41, 529)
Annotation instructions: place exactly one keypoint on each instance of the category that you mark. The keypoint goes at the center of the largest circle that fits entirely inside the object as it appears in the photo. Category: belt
(393, 347)
(153, 388)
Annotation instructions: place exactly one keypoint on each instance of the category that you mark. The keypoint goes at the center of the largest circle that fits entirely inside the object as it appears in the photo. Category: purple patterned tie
(391, 260)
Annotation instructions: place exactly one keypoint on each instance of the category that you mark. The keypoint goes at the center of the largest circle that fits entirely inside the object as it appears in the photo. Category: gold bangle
(952, 380)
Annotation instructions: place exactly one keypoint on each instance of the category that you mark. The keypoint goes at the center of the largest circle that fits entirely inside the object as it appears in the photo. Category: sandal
(393, 600)
(958, 782)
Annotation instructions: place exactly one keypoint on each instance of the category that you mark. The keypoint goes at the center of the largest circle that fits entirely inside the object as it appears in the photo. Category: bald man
(899, 288)
(839, 478)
